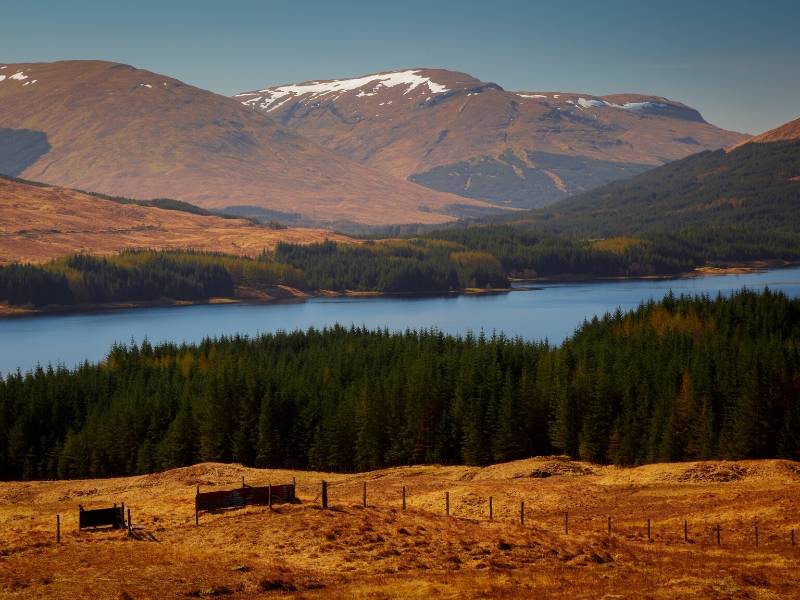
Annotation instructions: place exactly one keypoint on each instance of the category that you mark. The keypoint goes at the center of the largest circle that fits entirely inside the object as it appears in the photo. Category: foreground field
(381, 551)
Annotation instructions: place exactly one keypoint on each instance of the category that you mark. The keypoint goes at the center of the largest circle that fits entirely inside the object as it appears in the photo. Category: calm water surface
(552, 312)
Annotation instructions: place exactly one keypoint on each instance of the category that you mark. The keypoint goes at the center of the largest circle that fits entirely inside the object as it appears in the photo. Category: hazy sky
(737, 62)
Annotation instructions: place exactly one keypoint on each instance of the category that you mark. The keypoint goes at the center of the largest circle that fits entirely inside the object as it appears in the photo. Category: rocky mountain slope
(454, 133)
(111, 128)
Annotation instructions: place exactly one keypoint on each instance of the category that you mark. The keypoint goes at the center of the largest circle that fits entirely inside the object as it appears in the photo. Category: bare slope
(786, 132)
(383, 552)
(111, 128)
(41, 223)
(455, 133)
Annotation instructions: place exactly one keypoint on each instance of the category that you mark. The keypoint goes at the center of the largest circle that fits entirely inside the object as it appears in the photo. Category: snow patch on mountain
(18, 76)
(272, 98)
(592, 103)
(640, 106)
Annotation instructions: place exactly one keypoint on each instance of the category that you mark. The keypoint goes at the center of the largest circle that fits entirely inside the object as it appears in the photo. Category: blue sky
(737, 62)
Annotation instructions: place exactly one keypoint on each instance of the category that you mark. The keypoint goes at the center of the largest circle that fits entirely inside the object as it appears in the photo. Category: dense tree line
(679, 379)
(137, 275)
(413, 265)
(525, 252)
(440, 261)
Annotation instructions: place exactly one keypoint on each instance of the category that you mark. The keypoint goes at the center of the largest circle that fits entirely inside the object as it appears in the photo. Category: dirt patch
(711, 472)
(561, 467)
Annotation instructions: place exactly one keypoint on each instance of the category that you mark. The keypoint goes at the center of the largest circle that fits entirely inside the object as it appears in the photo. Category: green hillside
(756, 186)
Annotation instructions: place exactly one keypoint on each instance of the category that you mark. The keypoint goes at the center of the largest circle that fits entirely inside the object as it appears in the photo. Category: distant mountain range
(454, 133)
(111, 128)
(417, 146)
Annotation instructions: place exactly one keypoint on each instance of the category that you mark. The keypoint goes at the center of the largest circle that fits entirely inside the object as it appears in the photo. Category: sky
(738, 62)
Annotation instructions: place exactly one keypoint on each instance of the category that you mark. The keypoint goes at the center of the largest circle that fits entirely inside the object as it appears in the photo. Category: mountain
(115, 129)
(40, 222)
(754, 187)
(452, 132)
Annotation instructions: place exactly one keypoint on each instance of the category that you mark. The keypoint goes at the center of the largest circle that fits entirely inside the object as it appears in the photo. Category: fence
(243, 496)
(100, 517)
(646, 526)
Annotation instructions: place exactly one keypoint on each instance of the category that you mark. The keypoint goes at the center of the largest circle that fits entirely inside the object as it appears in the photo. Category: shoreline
(284, 294)
(757, 266)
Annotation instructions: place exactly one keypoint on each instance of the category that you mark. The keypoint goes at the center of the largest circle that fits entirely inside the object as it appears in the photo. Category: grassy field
(381, 551)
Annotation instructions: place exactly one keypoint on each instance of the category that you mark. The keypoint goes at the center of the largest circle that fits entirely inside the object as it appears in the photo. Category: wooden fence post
(718, 533)
(58, 529)
(685, 530)
(364, 495)
(609, 526)
(404, 497)
(756, 535)
(649, 538)
(522, 512)
(242, 480)
(447, 503)
(491, 509)
(130, 527)
(566, 523)
(324, 494)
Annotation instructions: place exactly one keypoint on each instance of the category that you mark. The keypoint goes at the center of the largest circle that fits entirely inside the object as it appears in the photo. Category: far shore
(285, 294)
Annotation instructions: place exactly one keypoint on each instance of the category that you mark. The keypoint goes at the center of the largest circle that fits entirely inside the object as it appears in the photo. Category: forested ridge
(754, 187)
(683, 378)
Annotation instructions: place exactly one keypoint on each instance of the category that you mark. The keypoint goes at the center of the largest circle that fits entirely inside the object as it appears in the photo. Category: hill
(452, 132)
(112, 128)
(381, 551)
(754, 187)
(786, 132)
(41, 222)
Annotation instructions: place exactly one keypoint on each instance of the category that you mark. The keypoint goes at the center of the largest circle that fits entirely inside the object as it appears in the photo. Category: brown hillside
(786, 132)
(38, 224)
(383, 552)
(111, 128)
(455, 133)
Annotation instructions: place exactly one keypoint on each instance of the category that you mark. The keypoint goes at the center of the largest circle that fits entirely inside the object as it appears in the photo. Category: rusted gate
(266, 495)
(102, 517)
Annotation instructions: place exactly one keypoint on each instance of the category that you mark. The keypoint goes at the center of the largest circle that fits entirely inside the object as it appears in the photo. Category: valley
(520, 323)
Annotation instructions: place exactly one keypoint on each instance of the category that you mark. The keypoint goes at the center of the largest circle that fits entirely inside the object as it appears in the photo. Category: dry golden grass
(349, 551)
(38, 224)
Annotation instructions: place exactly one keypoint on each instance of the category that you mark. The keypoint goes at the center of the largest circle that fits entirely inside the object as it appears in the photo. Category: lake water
(552, 311)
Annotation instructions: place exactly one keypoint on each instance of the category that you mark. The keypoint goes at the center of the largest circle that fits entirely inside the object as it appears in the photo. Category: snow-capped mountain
(452, 132)
(111, 128)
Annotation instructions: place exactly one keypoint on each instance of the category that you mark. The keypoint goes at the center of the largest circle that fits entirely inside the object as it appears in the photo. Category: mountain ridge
(111, 128)
(455, 133)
